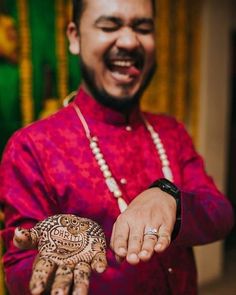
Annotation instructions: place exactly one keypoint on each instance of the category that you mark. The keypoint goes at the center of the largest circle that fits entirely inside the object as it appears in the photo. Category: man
(101, 158)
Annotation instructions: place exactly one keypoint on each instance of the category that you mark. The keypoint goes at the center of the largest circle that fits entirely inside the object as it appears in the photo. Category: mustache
(136, 55)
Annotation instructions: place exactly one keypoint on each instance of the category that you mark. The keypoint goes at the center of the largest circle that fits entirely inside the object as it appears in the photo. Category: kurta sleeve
(25, 199)
(206, 213)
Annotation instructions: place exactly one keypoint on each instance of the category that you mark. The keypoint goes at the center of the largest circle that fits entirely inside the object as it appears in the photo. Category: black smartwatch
(167, 186)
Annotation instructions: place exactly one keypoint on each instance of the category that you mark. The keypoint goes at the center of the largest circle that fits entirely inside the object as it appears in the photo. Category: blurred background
(195, 82)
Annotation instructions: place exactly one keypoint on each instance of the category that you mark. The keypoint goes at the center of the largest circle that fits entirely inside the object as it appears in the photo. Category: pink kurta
(48, 168)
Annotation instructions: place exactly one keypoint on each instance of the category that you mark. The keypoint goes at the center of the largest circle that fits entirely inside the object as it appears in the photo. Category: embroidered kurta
(48, 168)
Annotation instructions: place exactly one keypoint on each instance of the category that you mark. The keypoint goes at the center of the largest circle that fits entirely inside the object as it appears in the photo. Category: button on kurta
(128, 128)
(123, 181)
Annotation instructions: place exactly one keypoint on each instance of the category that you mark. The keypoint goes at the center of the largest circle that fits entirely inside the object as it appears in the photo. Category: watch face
(168, 187)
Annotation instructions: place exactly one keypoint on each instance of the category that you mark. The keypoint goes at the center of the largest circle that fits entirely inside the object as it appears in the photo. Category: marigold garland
(25, 64)
(61, 50)
(163, 54)
(195, 52)
(181, 56)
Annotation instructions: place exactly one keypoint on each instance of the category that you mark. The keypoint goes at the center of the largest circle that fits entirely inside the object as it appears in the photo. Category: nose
(127, 39)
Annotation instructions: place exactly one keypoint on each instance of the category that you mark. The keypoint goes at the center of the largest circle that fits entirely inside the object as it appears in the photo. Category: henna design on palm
(69, 247)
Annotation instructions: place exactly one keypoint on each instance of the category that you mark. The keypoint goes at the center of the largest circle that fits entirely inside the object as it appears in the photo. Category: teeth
(122, 63)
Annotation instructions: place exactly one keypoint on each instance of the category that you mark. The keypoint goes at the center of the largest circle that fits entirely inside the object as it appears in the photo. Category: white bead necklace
(109, 179)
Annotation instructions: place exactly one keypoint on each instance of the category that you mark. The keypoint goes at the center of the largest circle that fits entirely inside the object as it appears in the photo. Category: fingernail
(158, 247)
(133, 256)
(100, 269)
(144, 253)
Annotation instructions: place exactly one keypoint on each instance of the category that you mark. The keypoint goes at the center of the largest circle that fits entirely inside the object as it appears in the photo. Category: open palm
(69, 248)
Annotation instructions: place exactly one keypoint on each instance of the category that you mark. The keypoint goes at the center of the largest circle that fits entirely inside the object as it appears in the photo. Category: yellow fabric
(175, 87)
(180, 61)
(194, 78)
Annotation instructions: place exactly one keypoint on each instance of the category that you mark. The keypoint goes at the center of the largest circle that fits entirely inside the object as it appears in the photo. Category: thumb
(99, 262)
(25, 238)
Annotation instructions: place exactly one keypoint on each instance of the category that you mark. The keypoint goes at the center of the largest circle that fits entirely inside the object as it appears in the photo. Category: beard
(123, 104)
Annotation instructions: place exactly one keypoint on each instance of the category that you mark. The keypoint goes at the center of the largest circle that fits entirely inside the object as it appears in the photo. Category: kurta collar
(93, 109)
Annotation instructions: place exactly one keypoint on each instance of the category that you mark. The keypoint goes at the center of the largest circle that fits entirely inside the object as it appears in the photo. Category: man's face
(116, 46)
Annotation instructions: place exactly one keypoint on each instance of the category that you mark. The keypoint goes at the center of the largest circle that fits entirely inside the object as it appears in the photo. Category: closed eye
(143, 26)
(108, 24)
(144, 30)
(109, 28)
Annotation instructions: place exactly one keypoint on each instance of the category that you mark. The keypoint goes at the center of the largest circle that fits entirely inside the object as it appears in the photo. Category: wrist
(171, 189)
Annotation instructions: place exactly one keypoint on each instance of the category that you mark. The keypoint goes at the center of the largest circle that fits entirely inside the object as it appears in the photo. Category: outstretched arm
(206, 214)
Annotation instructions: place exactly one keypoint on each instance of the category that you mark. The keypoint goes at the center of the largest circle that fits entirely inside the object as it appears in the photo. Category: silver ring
(151, 231)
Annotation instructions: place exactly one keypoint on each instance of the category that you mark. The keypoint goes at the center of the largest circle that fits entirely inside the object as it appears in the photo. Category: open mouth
(124, 69)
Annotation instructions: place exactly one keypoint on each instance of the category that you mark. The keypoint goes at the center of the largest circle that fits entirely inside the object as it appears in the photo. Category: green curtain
(42, 19)
(10, 117)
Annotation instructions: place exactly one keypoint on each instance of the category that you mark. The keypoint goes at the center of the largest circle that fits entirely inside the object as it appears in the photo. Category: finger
(149, 242)
(135, 244)
(25, 238)
(99, 262)
(42, 272)
(62, 281)
(119, 259)
(164, 239)
(112, 236)
(120, 238)
(82, 273)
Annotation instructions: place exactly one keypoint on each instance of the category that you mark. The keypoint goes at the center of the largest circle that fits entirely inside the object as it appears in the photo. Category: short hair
(79, 7)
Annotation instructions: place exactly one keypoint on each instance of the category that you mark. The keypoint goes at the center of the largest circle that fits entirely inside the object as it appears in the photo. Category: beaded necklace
(109, 178)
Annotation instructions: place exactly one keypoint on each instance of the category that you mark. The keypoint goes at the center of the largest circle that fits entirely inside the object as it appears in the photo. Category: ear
(73, 37)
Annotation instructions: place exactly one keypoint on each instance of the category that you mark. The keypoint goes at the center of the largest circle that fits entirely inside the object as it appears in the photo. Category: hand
(69, 247)
(153, 209)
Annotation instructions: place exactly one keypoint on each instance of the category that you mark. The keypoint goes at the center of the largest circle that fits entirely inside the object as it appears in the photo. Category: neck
(123, 105)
